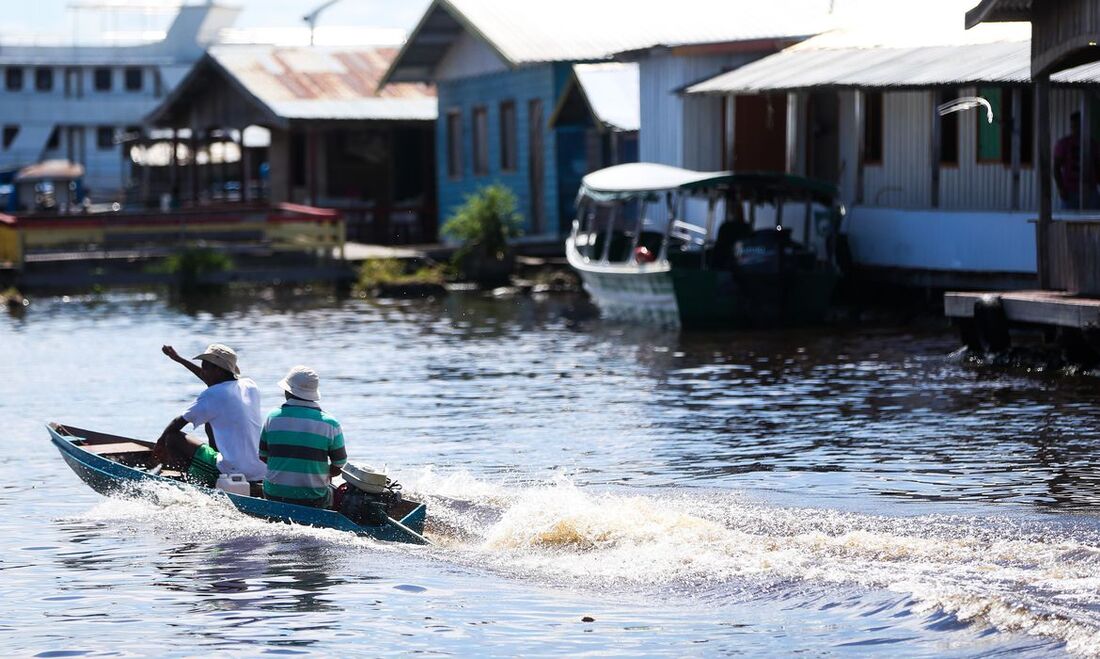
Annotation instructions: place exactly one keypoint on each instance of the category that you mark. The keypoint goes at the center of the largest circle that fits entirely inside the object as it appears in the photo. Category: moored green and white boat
(674, 247)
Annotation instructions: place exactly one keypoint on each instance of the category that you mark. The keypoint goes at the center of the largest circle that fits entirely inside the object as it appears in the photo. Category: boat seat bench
(116, 448)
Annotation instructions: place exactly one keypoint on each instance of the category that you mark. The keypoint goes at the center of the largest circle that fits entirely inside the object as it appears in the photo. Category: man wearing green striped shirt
(302, 446)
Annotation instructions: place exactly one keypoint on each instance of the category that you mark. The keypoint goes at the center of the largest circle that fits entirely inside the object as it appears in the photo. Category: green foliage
(485, 222)
(379, 272)
(191, 266)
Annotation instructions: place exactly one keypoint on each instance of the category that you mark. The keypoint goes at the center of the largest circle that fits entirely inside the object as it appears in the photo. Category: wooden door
(760, 133)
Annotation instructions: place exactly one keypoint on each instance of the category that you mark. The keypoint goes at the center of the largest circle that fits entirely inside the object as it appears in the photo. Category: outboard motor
(368, 496)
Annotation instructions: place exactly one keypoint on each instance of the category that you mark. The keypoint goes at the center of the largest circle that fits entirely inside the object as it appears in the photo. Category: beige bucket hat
(302, 382)
(222, 356)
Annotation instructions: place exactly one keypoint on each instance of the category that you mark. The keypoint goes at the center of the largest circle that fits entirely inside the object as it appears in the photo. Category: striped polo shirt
(299, 441)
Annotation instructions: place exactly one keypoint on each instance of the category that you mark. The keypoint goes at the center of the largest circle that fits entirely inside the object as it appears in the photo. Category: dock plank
(1032, 307)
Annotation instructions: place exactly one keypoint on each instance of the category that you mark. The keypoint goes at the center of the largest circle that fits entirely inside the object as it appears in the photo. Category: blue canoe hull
(110, 477)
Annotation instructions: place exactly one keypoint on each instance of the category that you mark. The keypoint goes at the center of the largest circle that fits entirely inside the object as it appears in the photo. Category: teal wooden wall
(522, 85)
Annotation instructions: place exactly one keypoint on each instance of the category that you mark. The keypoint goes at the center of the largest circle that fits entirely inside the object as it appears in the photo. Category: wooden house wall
(521, 85)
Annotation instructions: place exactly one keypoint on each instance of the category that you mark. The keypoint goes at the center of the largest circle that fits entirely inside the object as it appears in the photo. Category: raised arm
(189, 365)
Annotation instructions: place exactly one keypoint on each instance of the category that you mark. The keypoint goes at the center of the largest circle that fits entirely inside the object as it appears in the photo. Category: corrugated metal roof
(612, 91)
(924, 53)
(325, 83)
(567, 30)
(524, 32)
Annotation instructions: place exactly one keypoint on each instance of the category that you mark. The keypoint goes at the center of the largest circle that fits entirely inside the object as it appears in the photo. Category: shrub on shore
(385, 274)
(484, 225)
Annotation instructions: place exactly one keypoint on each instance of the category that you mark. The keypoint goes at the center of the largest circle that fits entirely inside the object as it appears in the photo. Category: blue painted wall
(522, 85)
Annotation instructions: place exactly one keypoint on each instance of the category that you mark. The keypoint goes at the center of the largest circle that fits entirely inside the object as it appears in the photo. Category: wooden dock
(1049, 308)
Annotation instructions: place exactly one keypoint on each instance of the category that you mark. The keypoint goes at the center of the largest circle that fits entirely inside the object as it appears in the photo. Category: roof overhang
(882, 68)
(193, 83)
(743, 46)
(999, 11)
(609, 92)
(440, 26)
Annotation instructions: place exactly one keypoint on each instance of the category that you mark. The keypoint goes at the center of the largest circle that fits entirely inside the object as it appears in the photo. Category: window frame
(981, 123)
(43, 73)
(127, 72)
(1027, 127)
(109, 87)
(509, 137)
(14, 79)
(877, 99)
(952, 120)
(480, 140)
(100, 143)
(453, 144)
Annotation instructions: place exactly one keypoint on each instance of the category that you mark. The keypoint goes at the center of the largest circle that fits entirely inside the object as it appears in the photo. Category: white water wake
(1037, 579)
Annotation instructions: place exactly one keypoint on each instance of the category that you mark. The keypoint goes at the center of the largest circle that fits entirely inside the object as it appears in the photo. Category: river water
(592, 489)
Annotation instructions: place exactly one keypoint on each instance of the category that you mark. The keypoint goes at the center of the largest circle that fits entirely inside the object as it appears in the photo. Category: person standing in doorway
(1067, 169)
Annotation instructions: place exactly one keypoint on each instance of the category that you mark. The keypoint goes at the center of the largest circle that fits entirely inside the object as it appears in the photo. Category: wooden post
(1017, 143)
(1042, 107)
(937, 134)
(173, 168)
(193, 170)
(1083, 151)
(792, 133)
(861, 144)
(311, 166)
(246, 169)
(731, 125)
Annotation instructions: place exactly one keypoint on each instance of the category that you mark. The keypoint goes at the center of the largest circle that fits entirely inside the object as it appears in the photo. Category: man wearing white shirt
(230, 410)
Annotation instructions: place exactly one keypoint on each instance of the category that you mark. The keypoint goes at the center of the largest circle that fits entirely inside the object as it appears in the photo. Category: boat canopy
(642, 179)
(772, 186)
(50, 170)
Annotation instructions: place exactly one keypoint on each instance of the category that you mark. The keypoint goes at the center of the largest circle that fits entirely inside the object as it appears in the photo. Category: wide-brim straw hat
(221, 356)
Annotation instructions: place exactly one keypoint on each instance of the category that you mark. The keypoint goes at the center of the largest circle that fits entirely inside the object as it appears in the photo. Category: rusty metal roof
(325, 83)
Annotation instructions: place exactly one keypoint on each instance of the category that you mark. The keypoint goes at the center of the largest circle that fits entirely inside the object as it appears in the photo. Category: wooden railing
(399, 225)
(1074, 256)
(283, 227)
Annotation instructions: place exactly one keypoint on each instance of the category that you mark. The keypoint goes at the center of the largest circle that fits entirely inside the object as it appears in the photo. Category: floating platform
(1049, 308)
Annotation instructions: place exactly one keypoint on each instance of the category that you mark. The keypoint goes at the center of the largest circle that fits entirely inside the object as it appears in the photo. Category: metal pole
(612, 216)
(792, 133)
(1042, 106)
(861, 143)
(937, 151)
(731, 127)
(1017, 143)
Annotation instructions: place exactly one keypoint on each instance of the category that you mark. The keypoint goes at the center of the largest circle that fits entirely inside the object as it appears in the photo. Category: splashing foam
(190, 516)
(1038, 580)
